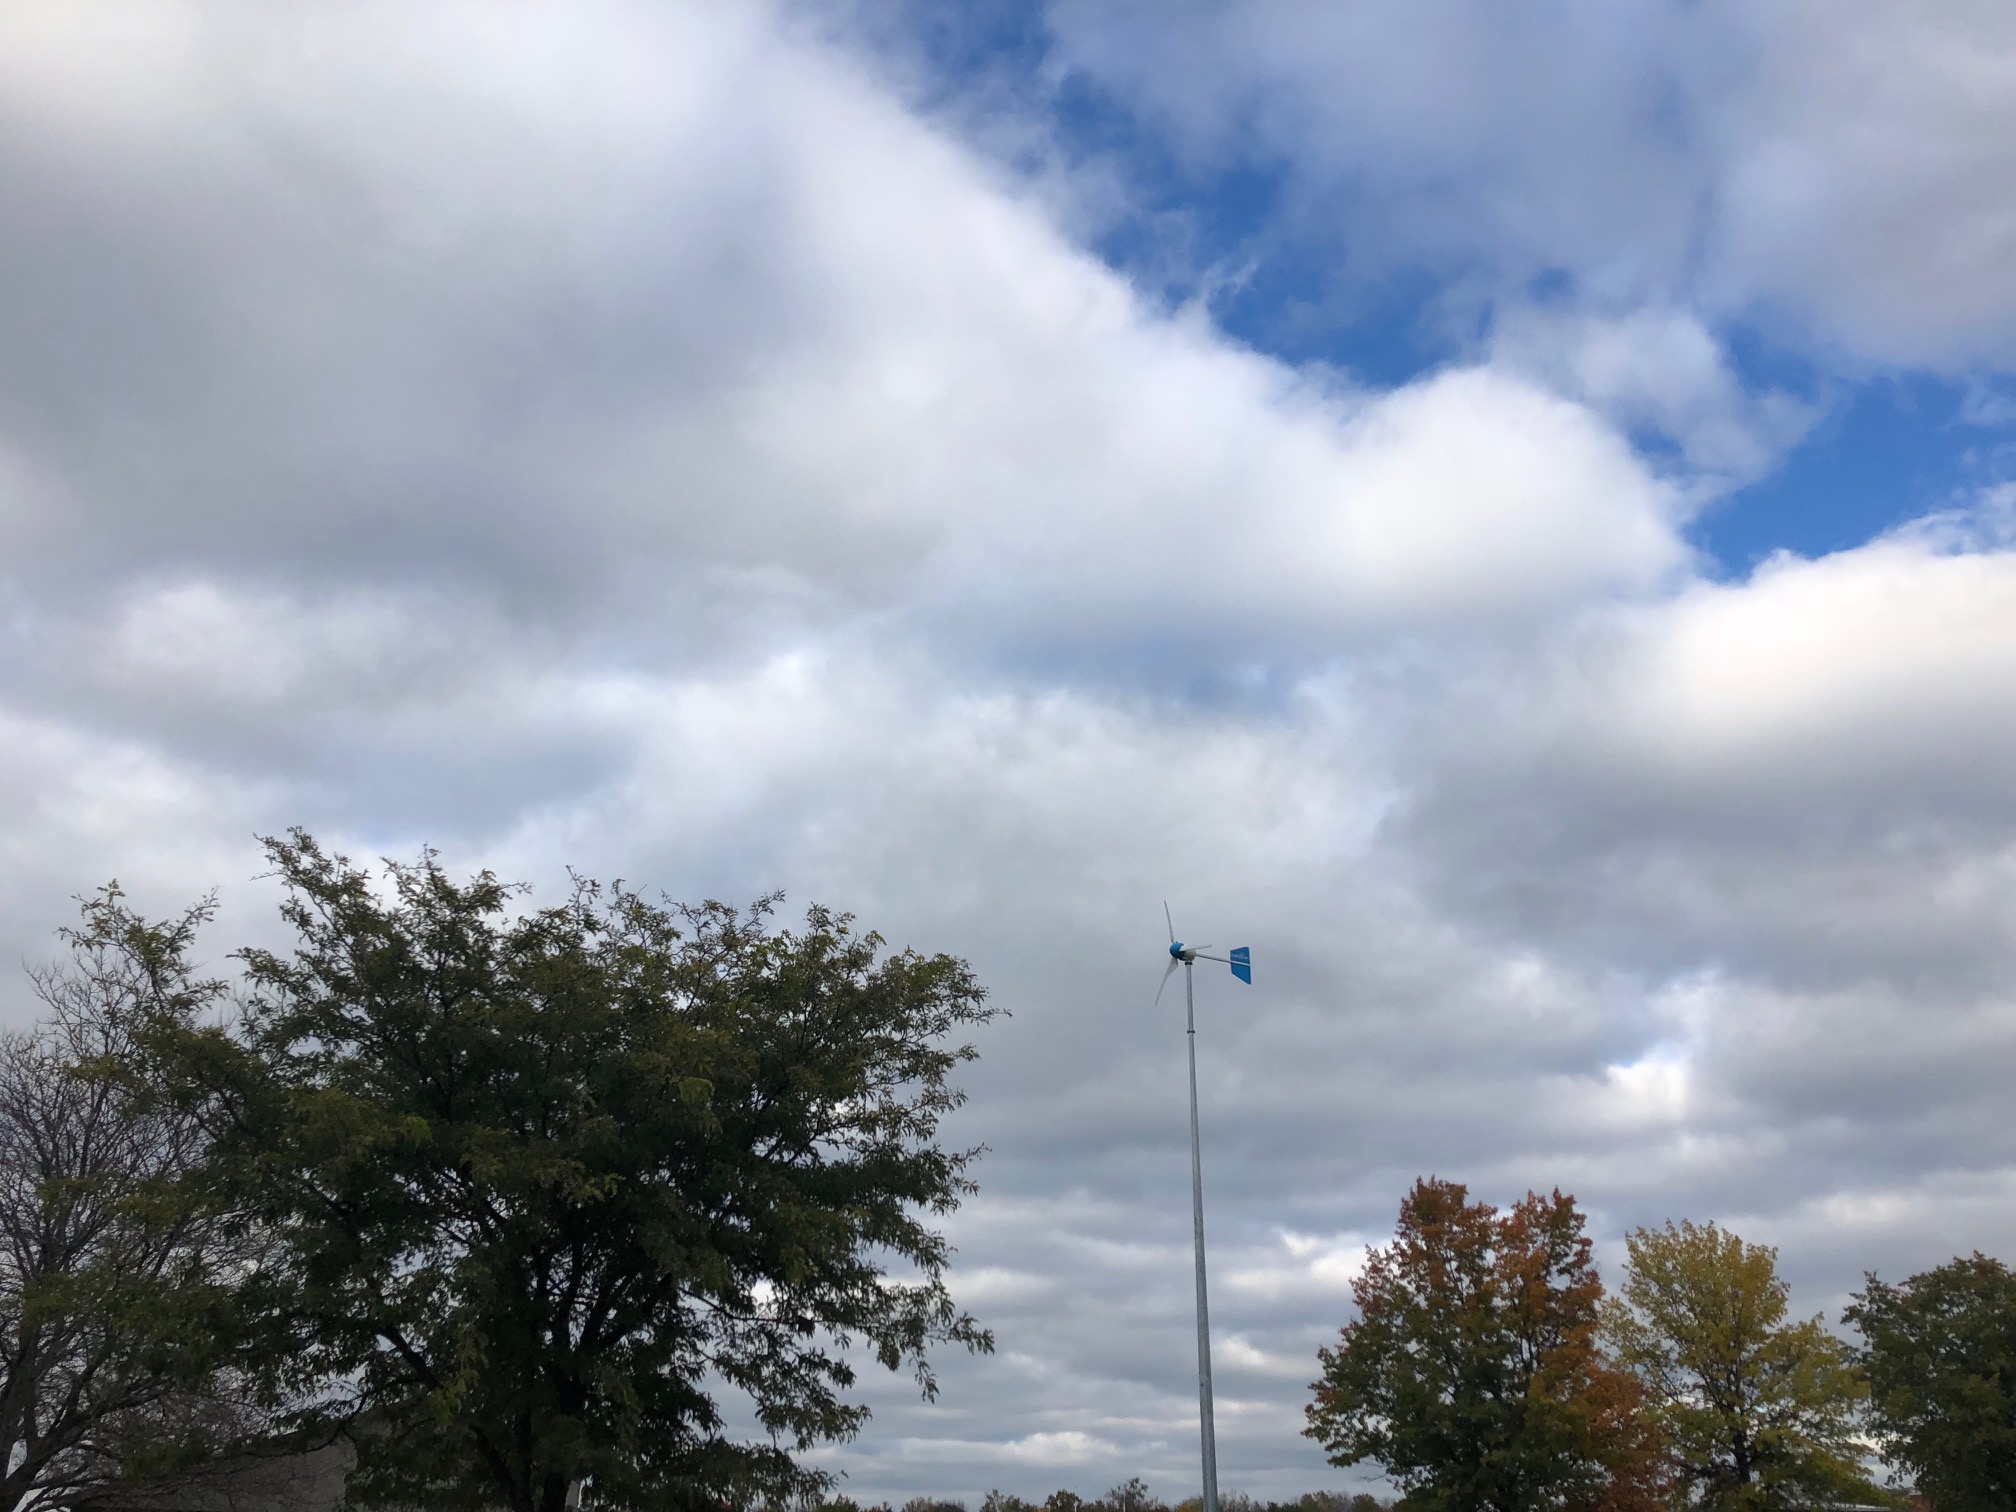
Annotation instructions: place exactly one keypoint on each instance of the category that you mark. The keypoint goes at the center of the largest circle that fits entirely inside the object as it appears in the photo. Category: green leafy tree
(1472, 1373)
(1756, 1411)
(548, 1178)
(1940, 1350)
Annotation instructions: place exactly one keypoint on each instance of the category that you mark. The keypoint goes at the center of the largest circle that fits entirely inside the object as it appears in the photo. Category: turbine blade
(1166, 919)
(1173, 964)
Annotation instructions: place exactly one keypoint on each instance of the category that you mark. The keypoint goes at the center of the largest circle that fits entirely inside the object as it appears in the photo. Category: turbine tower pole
(1240, 959)
(1204, 1408)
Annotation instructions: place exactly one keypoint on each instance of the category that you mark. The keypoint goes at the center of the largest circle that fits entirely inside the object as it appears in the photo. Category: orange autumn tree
(1473, 1375)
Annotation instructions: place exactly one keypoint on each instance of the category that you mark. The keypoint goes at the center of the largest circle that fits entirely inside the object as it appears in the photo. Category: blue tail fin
(1242, 964)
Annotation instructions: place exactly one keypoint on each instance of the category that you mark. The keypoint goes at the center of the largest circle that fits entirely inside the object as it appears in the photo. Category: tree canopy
(1472, 1373)
(549, 1179)
(1940, 1350)
(1756, 1411)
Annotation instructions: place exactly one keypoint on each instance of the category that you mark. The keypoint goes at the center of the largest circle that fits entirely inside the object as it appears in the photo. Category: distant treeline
(1129, 1496)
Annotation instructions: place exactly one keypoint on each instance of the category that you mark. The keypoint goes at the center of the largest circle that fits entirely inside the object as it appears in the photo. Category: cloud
(1838, 172)
(1865, 174)
(1869, 663)
(786, 357)
(1754, 770)
(80, 807)
(1663, 374)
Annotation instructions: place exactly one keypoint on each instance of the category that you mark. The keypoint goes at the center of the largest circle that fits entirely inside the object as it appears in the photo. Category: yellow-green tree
(1758, 1412)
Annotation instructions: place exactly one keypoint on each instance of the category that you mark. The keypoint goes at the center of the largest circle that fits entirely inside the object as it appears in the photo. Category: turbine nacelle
(1180, 954)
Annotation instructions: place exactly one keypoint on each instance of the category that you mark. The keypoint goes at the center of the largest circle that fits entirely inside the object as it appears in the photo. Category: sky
(1509, 512)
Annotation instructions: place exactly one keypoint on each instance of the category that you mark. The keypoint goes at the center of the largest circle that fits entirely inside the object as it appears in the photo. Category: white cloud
(1660, 371)
(1656, 1088)
(1067, 1448)
(1866, 175)
(1315, 1266)
(1887, 660)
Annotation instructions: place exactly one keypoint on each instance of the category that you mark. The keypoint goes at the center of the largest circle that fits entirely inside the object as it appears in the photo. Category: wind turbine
(1241, 962)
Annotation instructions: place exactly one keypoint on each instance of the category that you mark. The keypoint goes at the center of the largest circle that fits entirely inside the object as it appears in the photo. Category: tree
(1940, 1350)
(1756, 1412)
(548, 1178)
(1472, 1374)
(114, 1290)
(1132, 1495)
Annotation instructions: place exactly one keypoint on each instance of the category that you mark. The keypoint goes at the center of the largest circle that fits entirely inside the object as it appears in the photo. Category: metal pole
(1204, 1411)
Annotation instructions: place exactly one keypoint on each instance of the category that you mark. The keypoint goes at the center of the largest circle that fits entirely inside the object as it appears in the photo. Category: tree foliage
(114, 1287)
(549, 1178)
(1940, 1350)
(1472, 1373)
(1756, 1411)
